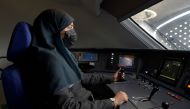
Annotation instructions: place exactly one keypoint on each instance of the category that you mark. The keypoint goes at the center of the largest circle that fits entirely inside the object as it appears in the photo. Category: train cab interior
(148, 39)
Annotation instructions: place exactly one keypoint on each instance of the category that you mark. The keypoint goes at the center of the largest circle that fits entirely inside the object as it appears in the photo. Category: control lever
(165, 105)
(121, 74)
(122, 70)
(154, 90)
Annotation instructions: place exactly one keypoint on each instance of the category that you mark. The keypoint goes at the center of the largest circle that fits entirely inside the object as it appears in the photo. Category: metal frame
(142, 35)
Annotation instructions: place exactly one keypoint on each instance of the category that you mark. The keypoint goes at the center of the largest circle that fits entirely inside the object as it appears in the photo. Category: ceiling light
(145, 15)
(172, 19)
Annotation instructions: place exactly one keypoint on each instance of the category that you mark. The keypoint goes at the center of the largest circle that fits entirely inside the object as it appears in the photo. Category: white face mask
(70, 38)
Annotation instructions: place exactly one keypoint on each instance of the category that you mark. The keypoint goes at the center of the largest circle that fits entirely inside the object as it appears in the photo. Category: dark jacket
(78, 97)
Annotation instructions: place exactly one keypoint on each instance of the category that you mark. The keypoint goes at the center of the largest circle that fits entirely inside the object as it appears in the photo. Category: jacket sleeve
(97, 104)
(67, 101)
(96, 79)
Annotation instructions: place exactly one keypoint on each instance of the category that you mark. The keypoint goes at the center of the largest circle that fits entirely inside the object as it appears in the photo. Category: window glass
(168, 22)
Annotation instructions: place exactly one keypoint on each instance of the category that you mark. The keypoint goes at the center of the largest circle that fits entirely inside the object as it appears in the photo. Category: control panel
(161, 79)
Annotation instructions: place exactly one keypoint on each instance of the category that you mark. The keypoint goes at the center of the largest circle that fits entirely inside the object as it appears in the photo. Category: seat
(11, 79)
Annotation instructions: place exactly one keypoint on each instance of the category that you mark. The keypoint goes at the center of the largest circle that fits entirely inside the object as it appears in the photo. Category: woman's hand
(120, 98)
(119, 75)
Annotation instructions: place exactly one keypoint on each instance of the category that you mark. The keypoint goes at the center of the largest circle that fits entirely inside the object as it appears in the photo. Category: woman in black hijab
(52, 77)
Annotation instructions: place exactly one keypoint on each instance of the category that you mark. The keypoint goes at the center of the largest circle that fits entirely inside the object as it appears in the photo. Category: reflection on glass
(168, 22)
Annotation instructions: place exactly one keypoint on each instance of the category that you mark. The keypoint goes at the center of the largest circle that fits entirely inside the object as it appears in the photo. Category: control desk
(156, 79)
(138, 90)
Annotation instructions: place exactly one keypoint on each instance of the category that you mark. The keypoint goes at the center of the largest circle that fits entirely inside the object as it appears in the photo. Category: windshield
(168, 22)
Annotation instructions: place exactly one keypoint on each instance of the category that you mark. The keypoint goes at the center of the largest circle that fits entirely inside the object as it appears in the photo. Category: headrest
(20, 40)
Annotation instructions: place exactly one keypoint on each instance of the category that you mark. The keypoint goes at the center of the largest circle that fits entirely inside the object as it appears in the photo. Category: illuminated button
(178, 98)
(174, 96)
(188, 86)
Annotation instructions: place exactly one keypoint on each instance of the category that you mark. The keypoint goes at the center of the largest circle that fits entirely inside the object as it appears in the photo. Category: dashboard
(146, 70)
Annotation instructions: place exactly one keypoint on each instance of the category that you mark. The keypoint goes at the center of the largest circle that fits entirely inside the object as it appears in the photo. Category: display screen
(86, 56)
(171, 70)
(126, 61)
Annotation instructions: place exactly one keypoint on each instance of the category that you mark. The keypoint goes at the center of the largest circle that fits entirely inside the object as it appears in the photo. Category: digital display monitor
(86, 56)
(171, 70)
(126, 61)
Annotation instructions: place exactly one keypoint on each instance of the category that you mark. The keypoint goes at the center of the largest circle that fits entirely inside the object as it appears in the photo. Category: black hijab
(59, 63)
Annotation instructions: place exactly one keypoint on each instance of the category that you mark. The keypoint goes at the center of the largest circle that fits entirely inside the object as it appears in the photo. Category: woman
(53, 79)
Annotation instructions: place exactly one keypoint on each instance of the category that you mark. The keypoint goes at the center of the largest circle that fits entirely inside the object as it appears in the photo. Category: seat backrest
(20, 41)
(11, 79)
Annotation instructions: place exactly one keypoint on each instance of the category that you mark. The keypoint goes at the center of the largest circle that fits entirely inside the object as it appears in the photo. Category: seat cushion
(13, 89)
